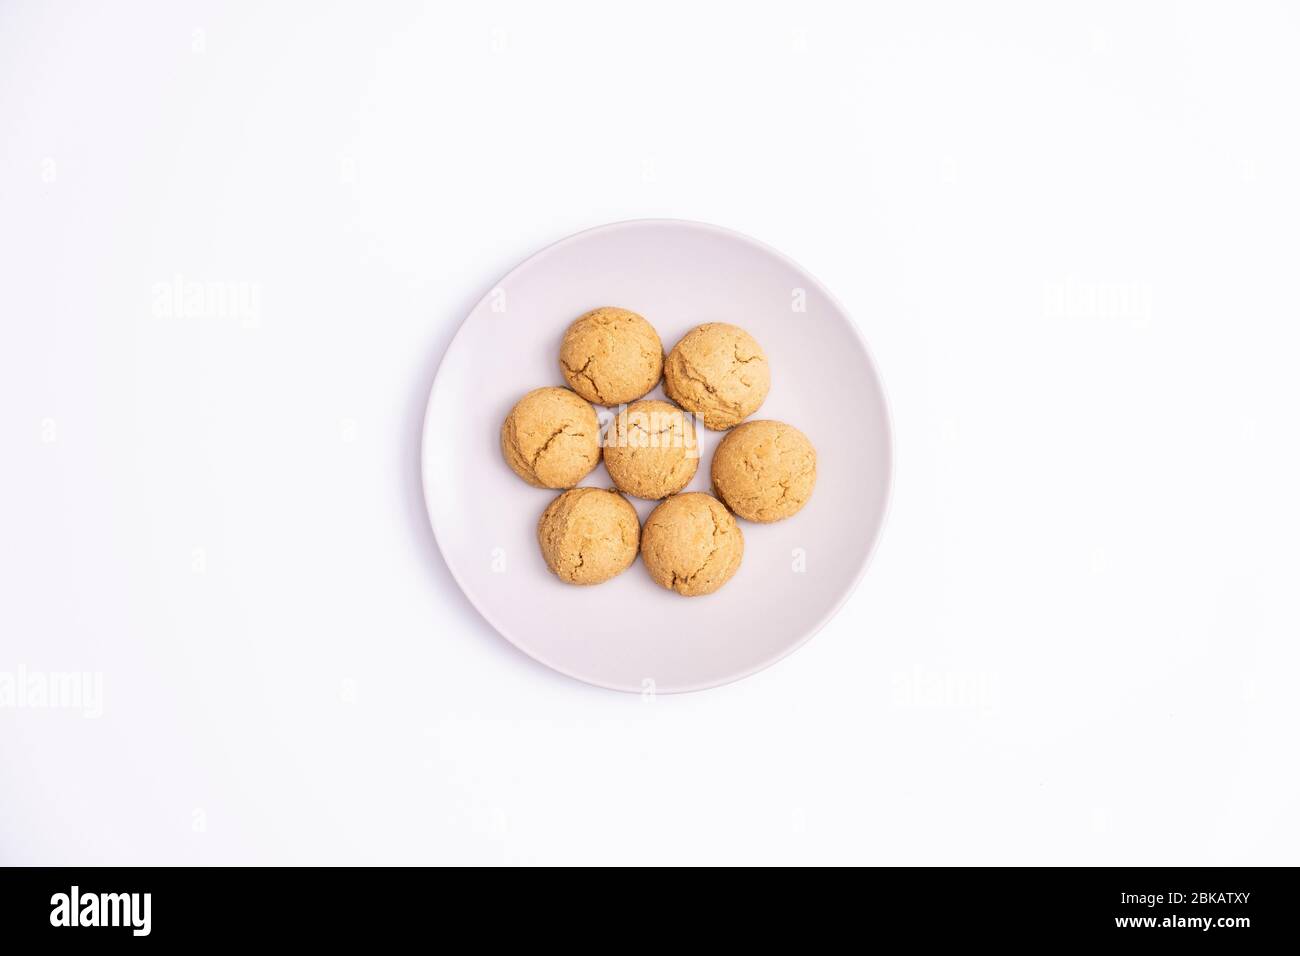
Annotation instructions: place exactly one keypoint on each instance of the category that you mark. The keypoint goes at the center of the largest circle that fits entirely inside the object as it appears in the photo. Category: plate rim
(427, 453)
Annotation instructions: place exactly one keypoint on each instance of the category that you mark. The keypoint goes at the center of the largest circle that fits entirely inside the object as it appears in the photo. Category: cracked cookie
(764, 471)
(651, 450)
(718, 372)
(691, 544)
(610, 356)
(588, 535)
(551, 438)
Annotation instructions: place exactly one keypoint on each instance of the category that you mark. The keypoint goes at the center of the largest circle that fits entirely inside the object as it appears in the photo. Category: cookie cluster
(717, 375)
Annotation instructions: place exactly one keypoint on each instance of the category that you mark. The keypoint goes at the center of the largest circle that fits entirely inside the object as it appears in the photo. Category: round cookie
(691, 544)
(764, 471)
(718, 372)
(610, 356)
(651, 450)
(588, 535)
(551, 438)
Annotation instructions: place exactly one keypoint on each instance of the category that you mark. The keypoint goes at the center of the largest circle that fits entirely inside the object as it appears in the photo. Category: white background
(1069, 233)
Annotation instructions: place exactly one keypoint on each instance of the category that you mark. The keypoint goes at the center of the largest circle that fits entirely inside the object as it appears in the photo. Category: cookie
(610, 356)
(691, 544)
(551, 438)
(764, 471)
(651, 450)
(588, 535)
(718, 372)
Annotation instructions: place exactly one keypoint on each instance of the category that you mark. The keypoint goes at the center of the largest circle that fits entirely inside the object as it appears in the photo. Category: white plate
(630, 634)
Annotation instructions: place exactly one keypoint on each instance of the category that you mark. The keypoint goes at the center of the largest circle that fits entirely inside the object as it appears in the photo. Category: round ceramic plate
(629, 633)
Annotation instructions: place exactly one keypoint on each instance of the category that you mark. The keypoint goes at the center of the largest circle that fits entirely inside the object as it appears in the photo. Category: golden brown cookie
(764, 471)
(651, 450)
(718, 372)
(551, 438)
(588, 535)
(610, 356)
(691, 544)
